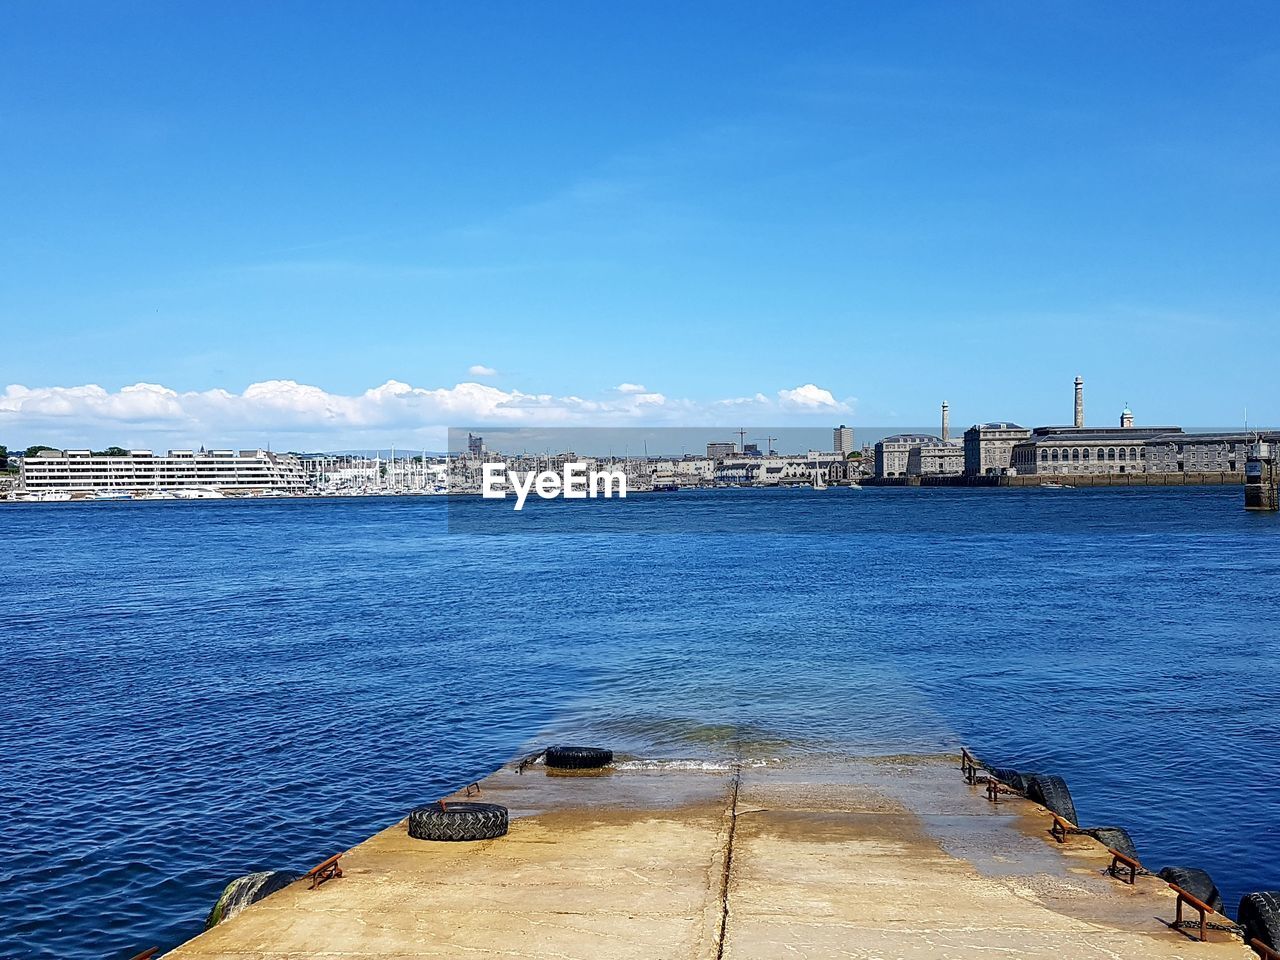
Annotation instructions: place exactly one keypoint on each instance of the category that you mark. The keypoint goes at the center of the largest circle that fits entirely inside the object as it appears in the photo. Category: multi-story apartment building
(141, 471)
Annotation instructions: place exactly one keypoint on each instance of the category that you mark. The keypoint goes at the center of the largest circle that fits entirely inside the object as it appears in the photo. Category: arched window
(1133, 453)
(1111, 453)
(1122, 454)
(1075, 456)
(1085, 455)
(1044, 455)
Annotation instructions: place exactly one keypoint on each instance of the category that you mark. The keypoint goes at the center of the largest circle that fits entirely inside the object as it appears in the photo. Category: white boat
(43, 496)
(111, 495)
(819, 481)
(158, 495)
(1056, 486)
(854, 485)
(199, 493)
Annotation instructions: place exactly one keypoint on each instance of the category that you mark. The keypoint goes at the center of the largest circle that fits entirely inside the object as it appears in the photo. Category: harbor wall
(1171, 479)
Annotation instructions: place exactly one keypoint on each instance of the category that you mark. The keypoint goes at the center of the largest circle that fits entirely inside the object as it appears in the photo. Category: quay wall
(1171, 479)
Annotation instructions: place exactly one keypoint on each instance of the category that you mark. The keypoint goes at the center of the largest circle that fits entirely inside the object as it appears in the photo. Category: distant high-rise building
(842, 440)
(721, 451)
(475, 445)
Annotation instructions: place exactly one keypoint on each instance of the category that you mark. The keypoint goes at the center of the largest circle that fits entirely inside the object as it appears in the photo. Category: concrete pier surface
(872, 858)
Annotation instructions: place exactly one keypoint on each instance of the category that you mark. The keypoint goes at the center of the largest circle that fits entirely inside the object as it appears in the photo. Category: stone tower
(1079, 401)
(946, 421)
(1126, 418)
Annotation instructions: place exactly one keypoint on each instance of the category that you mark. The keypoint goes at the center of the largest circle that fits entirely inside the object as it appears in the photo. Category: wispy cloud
(480, 370)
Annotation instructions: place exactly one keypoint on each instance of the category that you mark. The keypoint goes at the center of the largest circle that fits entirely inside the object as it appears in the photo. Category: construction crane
(768, 443)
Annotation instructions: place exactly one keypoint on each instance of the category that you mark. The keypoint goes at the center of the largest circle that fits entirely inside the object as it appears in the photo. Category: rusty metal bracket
(1132, 865)
(1200, 906)
(328, 870)
(968, 767)
(1062, 827)
(473, 790)
(1262, 950)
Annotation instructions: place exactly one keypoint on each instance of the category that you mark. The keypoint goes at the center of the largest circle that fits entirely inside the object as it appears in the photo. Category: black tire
(1010, 777)
(242, 891)
(1259, 914)
(577, 758)
(1117, 838)
(458, 821)
(1196, 882)
(1051, 791)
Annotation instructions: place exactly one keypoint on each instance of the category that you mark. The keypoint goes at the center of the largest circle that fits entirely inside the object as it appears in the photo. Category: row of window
(1078, 455)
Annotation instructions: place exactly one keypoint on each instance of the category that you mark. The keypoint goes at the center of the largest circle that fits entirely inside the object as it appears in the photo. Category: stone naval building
(1004, 448)
(1079, 450)
(988, 447)
(920, 454)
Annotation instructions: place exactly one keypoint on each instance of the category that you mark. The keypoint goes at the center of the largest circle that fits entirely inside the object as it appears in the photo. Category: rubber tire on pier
(458, 821)
(242, 891)
(1196, 882)
(1011, 778)
(1051, 791)
(1259, 914)
(577, 758)
(1117, 838)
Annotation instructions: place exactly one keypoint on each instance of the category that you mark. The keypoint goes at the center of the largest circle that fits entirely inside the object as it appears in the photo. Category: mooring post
(1261, 476)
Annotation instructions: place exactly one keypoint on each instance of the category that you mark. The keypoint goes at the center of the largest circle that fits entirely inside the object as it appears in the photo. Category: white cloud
(303, 415)
(480, 370)
(629, 388)
(810, 397)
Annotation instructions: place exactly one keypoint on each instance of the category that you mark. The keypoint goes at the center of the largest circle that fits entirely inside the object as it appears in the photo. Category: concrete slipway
(876, 858)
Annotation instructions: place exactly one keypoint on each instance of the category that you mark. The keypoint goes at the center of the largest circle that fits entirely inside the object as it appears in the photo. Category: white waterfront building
(138, 472)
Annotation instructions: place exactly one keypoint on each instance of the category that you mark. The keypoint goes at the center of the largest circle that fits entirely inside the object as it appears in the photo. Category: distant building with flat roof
(842, 440)
(1085, 450)
(721, 451)
(988, 447)
(939, 458)
(917, 455)
(141, 471)
(1198, 453)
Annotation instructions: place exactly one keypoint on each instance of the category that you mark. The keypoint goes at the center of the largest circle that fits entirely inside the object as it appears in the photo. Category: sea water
(197, 690)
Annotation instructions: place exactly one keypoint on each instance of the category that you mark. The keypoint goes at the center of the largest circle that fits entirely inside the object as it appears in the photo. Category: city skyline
(843, 213)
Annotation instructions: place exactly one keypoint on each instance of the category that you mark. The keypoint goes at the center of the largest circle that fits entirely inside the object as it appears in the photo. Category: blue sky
(893, 204)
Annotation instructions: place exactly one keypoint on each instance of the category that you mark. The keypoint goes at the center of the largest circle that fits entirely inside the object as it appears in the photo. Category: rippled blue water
(196, 690)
